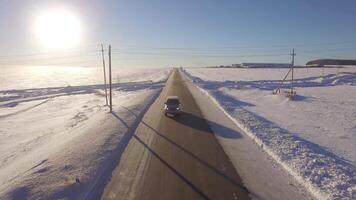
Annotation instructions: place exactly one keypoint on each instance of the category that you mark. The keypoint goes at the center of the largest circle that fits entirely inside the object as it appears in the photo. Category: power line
(83, 46)
(49, 59)
(196, 55)
(75, 55)
(42, 54)
(238, 47)
(329, 49)
(184, 49)
(325, 56)
(324, 4)
(86, 63)
(55, 52)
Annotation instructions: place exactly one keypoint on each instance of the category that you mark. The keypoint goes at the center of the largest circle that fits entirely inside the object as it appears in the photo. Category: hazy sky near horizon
(165, 33)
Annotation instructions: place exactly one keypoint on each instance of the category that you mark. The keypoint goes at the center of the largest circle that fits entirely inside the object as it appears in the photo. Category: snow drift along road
(55, 142)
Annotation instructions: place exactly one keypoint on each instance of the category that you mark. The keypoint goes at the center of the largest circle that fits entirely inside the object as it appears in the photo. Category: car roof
(172, 97)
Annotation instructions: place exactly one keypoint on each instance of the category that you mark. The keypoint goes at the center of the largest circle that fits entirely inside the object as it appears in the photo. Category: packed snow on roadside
(59, 140)
(313, 136)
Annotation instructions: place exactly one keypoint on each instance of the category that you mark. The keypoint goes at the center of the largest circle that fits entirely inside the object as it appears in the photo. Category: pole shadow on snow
(97, 184)
(98, 188)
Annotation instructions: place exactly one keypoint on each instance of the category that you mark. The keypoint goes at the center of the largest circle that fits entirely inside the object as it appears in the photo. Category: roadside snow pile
(306, 135)
(59, 142)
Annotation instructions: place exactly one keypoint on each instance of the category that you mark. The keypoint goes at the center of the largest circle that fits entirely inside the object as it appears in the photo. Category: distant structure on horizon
(330, 62)
(227, 66)
(265, 65)
(236, 65)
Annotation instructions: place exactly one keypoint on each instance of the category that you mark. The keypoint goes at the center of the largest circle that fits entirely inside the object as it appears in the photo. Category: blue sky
(164, 33)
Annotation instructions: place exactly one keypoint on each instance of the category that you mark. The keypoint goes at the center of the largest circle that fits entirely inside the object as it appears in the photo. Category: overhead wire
(67, 56)
(240, 47)
(74, 55)
(196, 55)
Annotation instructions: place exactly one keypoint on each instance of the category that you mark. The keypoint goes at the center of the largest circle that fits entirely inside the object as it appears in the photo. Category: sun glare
(58, 29)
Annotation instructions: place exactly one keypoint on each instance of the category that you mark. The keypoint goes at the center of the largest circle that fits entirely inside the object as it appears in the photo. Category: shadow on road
(202, 124)
(205, 125)
(20, 193)
(201, 161)
(156, 155)
(195, 188)
(185, 118)
(198, 123)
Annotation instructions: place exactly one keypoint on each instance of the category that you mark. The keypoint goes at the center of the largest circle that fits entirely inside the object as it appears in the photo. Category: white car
(171, 106)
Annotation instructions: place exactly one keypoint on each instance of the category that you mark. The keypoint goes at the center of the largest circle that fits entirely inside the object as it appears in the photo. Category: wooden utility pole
(110, 79)
(106, 92)
(292, 89)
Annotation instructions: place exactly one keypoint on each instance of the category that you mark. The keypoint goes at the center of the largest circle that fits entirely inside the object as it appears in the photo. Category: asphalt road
(174, 158)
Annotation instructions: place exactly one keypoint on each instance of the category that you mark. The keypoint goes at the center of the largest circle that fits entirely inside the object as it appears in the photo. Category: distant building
(330, 62)
(265, 65)
(236, 66)
(222, 66)
(314, 65)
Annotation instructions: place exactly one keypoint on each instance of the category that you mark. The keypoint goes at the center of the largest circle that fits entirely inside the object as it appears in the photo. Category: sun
(58, 29)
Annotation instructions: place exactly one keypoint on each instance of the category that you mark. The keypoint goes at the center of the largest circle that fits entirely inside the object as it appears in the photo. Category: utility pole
(106, 92)
(293, 54)
(110, 79)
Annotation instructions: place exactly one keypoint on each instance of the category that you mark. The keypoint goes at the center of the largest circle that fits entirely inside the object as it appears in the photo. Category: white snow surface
(27, 77)
(313, 136)
(59, 141)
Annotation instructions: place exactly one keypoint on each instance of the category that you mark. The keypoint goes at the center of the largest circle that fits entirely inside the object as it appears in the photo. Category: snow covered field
(313, 137)
(57, 138)
(27, 77)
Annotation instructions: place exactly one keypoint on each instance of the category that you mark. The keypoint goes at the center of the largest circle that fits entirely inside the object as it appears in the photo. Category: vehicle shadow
(205, 125)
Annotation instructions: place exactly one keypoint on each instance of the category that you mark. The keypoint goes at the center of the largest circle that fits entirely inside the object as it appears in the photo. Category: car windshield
(172, 101)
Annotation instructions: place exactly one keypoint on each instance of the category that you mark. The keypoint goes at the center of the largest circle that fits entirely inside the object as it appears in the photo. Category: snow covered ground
(57, 138)
(312, 137)
(27, 77)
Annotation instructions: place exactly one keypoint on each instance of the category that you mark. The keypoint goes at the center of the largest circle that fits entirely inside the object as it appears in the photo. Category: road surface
(174, 158)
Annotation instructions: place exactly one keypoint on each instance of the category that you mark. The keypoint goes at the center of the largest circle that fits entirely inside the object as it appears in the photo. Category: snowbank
(324, 173)
(61, 142)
